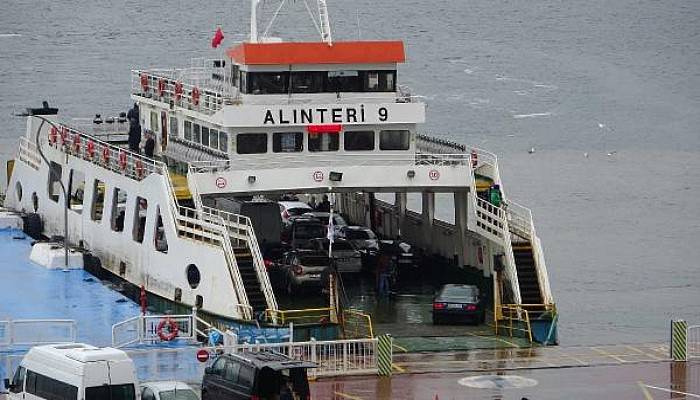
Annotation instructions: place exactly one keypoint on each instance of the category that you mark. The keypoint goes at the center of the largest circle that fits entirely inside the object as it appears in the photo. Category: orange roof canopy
(357, 52)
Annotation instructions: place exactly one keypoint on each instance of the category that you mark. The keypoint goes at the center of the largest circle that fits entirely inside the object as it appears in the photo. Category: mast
(325, 22)
(254, 20)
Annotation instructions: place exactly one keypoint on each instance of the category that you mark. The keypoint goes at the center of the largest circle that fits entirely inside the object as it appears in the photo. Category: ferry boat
(268, 118)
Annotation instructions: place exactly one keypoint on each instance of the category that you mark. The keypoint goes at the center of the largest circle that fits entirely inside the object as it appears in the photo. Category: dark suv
(256, 376)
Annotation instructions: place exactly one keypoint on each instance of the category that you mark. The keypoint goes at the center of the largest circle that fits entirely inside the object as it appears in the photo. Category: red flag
(218, 38)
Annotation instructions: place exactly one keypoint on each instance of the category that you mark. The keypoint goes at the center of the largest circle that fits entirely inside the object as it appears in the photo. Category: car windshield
(356, 234)
(297, 211)
(309, 231)
(311, 261)
(180, 394)
(460, 292)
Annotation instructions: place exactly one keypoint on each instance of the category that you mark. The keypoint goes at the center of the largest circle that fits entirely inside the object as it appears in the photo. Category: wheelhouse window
(205, 136)
(308, 82)
(174, 128)
(267, 82)
(287, 142)
(344, 81)
(196, 133)
(323, 141)
(214, 139)
(251, 143)
(359, 140)
(379, 81)
(394, 140)
(188, 130)
(223, 141)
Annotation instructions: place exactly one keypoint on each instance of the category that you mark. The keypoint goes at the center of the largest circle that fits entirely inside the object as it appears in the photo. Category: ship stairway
(205, 225)
(246, 266)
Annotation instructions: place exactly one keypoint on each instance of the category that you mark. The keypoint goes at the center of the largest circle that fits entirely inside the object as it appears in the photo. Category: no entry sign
(202, 355)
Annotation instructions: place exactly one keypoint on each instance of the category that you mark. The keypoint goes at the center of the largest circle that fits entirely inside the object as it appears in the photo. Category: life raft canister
(195, 96)
(172, 329)
(161, 87)
(178, 91)
(144, 82)
(122, 160)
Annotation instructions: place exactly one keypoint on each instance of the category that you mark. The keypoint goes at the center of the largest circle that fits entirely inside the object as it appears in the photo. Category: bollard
(385, 345)
(679, 330)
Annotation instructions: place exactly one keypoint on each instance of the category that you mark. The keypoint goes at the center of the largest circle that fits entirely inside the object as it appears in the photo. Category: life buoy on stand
(171, 331)
(144, 82)
(105, 155)
(64, 135)
(90, 149)
(76, 142)
(122, 160)
(53, 135)
(178, 91)
(195, 96)
(139, 169)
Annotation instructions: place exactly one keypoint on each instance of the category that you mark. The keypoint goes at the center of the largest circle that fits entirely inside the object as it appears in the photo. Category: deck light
(411, 173)
(335, 176)
(251, 179)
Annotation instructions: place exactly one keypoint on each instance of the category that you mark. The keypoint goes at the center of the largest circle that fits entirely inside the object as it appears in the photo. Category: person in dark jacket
(134, 135)
(150, 145)
(133, 113)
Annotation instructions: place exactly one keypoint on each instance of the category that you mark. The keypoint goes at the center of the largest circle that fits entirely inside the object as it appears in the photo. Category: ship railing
(514, 318)
(299, 161)
(32, 332)
(113, 129)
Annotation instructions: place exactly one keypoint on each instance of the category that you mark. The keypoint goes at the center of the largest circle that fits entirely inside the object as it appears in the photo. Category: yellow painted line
(605, 353)
(400, 347)
(398, 368)
(347, 396)
(643, 353)
(511, 344)
(644, 390)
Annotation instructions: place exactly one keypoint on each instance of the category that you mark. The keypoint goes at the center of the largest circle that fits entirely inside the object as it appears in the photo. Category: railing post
(679, 340)
(314, 358)
(384, 359)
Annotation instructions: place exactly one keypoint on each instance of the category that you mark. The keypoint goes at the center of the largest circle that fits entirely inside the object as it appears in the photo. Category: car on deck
(347, 259)
(457, 303)
(301, 230)
(289, 209)
(323, 217)
(167, 390)
(304, 269)
(261, 375)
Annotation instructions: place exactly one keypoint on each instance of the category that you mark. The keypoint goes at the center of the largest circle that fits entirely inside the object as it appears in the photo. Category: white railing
(281, 161)
(693, 342)
(30, 332)
(260, 269)
(334, 358)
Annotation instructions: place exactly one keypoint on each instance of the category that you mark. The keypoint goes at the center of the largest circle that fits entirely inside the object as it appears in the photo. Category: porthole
(18, 190)
(35, 202)
(193, 276)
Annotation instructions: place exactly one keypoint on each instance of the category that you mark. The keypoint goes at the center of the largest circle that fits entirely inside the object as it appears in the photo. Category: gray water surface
(606, 92)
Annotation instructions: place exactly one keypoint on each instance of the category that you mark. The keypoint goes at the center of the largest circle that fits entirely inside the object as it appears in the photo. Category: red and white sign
(434, 174)
(202, 355)
(221, 182)
(318, 176)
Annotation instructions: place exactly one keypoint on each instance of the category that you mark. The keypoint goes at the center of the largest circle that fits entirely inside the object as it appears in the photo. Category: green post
(385, 345)
(679, 348)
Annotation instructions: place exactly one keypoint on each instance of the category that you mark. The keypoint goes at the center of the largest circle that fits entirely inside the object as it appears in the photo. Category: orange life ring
(195, 96)
(90, 149)
(161, 87)
(139, 169)
(53, 135)
(144, 82)
(172, 329)
(122, 160)
(178, 91)
(105, 155)
(475, 158)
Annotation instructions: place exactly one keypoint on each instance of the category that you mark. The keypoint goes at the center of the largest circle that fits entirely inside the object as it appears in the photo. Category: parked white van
(74, 371)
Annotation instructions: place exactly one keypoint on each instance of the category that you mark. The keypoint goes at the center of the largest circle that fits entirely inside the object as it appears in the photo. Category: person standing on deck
(150, 145)
(495, 197)
(134, 129)
(325, 205)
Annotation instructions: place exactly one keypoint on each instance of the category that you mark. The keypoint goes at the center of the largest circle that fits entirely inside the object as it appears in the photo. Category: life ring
(90, 149)
(172, 330)
(122, 160)
(53, 135)
(178, 91)
(195, 96)
(139, 169)
(64, 135)
(105, 155)
(144, 82)
(161, 87)
(475, 158)
(76, 142)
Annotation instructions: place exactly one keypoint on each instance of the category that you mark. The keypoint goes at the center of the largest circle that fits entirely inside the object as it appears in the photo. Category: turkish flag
(218, 38)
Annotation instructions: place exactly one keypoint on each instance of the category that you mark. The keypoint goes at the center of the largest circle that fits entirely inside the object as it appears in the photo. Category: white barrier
(154, 328)
(30, 332)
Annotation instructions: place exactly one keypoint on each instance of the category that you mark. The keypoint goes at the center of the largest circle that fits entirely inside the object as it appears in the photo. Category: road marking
(400, 348)
(644, 390)
(695, 396)
(605, 353)
(398, 368)
(643, 353)
(347, 396)
(511, 344)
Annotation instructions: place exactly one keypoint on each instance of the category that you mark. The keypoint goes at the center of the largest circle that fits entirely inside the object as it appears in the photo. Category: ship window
(344, 81)
(199, 301)
(160, 239)
(173, 127)
(196, 133)
(251, 143)
(359, 140)
(268, 82)
(287, 142)
(223, 141)
(98, 200)
(140, 213)
(55, 173)
(323, 141)
(205, 136)
(154, 122)
(76, 188)
(118, 209)
(18, 190)
(379, 81)
(188, 130)
(307, 82)
(214, 139)
(394, 140)
(193, 276)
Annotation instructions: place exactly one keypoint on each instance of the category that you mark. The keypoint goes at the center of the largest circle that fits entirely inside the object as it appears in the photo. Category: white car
(290, 209)
(167, 390)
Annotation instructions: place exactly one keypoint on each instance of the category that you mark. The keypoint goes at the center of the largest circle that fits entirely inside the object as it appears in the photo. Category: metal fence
(693, 343)
(154, 328)
(29, 332)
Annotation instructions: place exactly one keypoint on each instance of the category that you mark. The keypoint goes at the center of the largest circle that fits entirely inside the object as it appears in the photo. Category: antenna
(254, 20)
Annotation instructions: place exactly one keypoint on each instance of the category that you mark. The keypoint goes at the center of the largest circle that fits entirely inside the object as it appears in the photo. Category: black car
(455, 302)
(256, 376)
